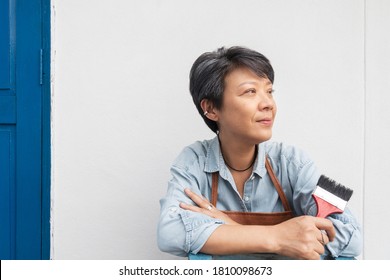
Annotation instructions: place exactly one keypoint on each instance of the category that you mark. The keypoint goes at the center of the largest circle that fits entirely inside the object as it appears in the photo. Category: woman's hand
(205, 207)
(303, 237)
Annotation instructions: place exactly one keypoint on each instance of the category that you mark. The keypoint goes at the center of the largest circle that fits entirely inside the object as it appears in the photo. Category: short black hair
(207, 75)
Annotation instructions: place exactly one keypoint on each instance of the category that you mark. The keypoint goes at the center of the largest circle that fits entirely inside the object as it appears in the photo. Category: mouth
(265, 121)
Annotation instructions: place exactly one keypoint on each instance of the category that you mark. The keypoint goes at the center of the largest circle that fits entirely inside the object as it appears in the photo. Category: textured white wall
(122, 112)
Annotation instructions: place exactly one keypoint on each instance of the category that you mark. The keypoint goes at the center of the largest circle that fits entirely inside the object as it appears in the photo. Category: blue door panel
(28, 129)
(4, 45)
(23, 230)
(7, 109)
(7, 192)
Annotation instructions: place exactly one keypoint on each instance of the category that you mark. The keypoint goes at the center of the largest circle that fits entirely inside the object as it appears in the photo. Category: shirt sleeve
(348, 240)
(181, 231)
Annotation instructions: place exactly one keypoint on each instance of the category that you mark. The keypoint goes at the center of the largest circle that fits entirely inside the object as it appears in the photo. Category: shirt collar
(215, 162)
(259, 167)
(213, 157)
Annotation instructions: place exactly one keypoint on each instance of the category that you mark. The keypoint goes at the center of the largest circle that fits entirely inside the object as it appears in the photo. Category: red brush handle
(324, 208)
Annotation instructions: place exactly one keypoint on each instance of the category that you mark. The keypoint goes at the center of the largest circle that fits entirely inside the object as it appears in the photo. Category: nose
(266, 102)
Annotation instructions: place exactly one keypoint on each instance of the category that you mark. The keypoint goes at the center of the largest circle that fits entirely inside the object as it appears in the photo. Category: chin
(265, 137)
(261, 138)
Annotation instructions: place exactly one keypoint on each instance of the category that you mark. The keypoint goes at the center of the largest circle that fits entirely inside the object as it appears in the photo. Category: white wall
(377, 155)
(121, 110)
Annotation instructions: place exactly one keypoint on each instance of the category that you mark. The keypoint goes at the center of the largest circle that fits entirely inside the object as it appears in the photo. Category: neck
(238, 156)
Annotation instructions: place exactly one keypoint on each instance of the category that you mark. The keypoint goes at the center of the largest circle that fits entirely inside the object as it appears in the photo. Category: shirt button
(172, 212)
(246, 198)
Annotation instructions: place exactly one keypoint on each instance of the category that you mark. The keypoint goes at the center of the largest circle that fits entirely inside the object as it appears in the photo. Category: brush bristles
(335, 188)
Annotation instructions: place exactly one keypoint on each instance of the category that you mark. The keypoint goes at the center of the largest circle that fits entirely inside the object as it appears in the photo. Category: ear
(209, 110)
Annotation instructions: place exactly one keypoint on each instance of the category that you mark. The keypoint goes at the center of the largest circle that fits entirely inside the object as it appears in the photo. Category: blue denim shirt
(181, 231)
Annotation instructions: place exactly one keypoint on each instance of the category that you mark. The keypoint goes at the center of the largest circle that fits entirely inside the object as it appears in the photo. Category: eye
(270, 91)
(250, 91)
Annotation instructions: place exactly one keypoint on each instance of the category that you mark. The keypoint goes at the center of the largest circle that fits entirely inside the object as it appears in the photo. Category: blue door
(24, 134)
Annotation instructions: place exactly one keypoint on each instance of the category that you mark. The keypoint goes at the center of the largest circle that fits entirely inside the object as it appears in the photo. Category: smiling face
(248, 108)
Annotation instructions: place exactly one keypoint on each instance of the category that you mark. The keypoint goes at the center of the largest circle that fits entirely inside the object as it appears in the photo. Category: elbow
(169, 241)
(355, 246)
(356, 243)
(163, 242)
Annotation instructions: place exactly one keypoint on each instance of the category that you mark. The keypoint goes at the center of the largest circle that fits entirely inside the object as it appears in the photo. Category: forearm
(239, 239)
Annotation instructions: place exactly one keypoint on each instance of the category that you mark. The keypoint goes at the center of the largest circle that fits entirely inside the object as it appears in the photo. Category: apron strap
(274, 179)
(214, 188)
(277, 185)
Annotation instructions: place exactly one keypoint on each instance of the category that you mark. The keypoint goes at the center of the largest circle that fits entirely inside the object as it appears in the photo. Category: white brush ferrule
(331, 198)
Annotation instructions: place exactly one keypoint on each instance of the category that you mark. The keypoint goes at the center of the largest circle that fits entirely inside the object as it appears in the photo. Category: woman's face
(248, 108)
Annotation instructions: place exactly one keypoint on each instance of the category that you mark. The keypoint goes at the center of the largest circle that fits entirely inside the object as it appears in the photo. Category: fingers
(200, 201)
(192, 208)
(319, 246)
(327, 227)
(324, 239)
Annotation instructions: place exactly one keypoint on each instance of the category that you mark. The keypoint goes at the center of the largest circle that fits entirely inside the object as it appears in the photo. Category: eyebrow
(253, 83)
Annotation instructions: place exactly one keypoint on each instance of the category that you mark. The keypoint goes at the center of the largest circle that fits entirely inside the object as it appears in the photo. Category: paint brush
(330, 197)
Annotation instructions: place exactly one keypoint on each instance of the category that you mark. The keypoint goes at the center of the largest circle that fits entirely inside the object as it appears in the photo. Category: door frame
(46, 128)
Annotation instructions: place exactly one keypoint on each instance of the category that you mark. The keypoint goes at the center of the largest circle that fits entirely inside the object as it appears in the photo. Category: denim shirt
(181, 232)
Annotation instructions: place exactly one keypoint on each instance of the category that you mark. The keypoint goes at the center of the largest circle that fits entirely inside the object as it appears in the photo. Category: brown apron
(256, 218)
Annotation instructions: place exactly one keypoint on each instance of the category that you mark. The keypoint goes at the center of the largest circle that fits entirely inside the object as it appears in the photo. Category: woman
(234, 173)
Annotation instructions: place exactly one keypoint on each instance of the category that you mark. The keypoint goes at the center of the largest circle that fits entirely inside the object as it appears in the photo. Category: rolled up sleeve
(181, 231)
(348, 241)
